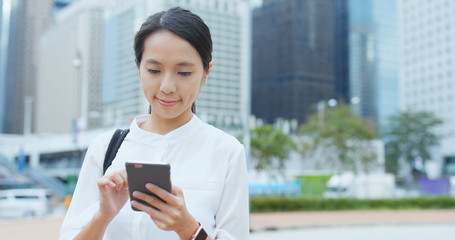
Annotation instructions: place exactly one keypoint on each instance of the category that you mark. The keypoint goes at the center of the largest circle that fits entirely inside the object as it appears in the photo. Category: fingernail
(136, 194)
(149, 186)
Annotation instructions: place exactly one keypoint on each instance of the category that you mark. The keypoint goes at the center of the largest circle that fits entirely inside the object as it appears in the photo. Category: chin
(169, 114)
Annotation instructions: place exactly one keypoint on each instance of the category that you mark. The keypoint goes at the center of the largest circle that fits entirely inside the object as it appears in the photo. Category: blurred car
(362, 186)
(23, 203)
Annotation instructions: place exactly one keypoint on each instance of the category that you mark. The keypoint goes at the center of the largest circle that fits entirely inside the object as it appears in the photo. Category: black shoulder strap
(113, 147)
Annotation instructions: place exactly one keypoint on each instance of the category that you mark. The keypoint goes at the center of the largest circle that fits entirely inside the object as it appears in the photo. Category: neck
(163, 126)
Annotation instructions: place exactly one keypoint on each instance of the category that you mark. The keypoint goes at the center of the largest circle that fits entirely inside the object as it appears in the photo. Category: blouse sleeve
(85, 201)
(232, 218)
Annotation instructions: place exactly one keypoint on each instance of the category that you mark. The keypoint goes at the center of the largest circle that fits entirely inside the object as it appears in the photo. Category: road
(438, 231)
(352, 225)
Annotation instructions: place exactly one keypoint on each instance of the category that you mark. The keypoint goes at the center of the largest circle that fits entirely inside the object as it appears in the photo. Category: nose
(168, 84)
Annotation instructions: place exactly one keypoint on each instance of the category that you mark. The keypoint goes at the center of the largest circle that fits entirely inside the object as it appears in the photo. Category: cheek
(144, 85)
(196, 88)
(146, 82)
(147, 88)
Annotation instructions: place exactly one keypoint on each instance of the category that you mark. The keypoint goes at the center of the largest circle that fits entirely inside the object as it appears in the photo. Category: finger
(174, 206)
(153, 213)
(124, 177)
(125, 185)
(161, 193)
(123, 174)
(152, 200)
(105, 182)
(118, 180)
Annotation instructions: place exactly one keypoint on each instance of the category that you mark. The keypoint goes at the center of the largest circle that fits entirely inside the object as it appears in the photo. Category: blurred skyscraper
(427, 66)
(373, 58)
(121, 92)
(293, 58)
(70, 69)
(23, 22)
(5, 14)
(219, 100)
(308, 51)
(341, 50)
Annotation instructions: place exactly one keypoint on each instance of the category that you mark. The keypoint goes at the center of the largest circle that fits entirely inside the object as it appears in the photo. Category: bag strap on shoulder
(113, 147)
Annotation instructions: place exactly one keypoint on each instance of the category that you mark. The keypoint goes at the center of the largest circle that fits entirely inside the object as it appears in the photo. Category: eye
(152, 70)
(185, 73)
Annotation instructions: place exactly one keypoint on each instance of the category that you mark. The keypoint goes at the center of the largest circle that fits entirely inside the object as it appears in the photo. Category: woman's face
(172, 74)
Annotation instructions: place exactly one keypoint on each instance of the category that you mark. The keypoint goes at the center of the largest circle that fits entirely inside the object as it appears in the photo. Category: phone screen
(139, 174)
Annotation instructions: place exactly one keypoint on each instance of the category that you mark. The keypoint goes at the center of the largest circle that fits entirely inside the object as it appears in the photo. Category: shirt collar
(178, 134)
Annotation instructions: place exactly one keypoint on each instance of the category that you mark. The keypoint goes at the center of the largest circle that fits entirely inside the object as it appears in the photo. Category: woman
(210, 186)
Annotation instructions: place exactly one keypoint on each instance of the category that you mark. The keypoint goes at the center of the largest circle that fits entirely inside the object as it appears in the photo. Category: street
(371, 232)
(352, 225)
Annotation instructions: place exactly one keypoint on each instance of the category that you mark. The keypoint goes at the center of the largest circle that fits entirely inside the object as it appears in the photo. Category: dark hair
(184, 23)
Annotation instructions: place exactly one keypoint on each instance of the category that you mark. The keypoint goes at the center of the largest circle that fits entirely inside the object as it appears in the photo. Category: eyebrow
(184, 63)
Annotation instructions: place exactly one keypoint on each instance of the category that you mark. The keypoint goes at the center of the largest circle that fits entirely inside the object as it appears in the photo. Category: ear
(210, 67)
(206, 75)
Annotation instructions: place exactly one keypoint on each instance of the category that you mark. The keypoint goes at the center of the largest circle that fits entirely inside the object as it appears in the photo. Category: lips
(166, 103)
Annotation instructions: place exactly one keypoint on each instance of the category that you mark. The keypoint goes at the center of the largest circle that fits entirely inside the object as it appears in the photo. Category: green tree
(409, 135)
(270, 148)
(340, 137)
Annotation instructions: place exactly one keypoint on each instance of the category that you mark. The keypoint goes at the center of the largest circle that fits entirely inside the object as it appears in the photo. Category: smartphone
(140, 173)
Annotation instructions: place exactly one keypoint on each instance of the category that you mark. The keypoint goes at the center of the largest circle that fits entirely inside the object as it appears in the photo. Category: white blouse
(208, 164)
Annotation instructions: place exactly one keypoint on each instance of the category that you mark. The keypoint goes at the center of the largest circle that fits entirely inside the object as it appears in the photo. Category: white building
(427, 66)
(220, 100)
(69, 70)
(57, 154)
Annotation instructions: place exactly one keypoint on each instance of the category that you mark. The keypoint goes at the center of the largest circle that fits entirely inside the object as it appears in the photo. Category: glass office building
(293, 58)
(373, 58)
(4, 37)
(341, 48)
(122, 94)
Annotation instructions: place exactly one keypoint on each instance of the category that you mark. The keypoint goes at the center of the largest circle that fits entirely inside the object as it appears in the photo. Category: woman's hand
(170, 215)
(113, 194)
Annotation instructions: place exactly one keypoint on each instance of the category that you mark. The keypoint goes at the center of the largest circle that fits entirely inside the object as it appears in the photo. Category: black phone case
(139, 174)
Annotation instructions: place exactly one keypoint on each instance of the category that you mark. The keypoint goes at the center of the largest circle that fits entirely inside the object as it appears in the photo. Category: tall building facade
(427, 67)
(373, 60)
(122, 94)
(28, 19)
(5, 13)
(341, 48)
(387, 45)
(219, 101)
(70, 70)
(293, 58)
